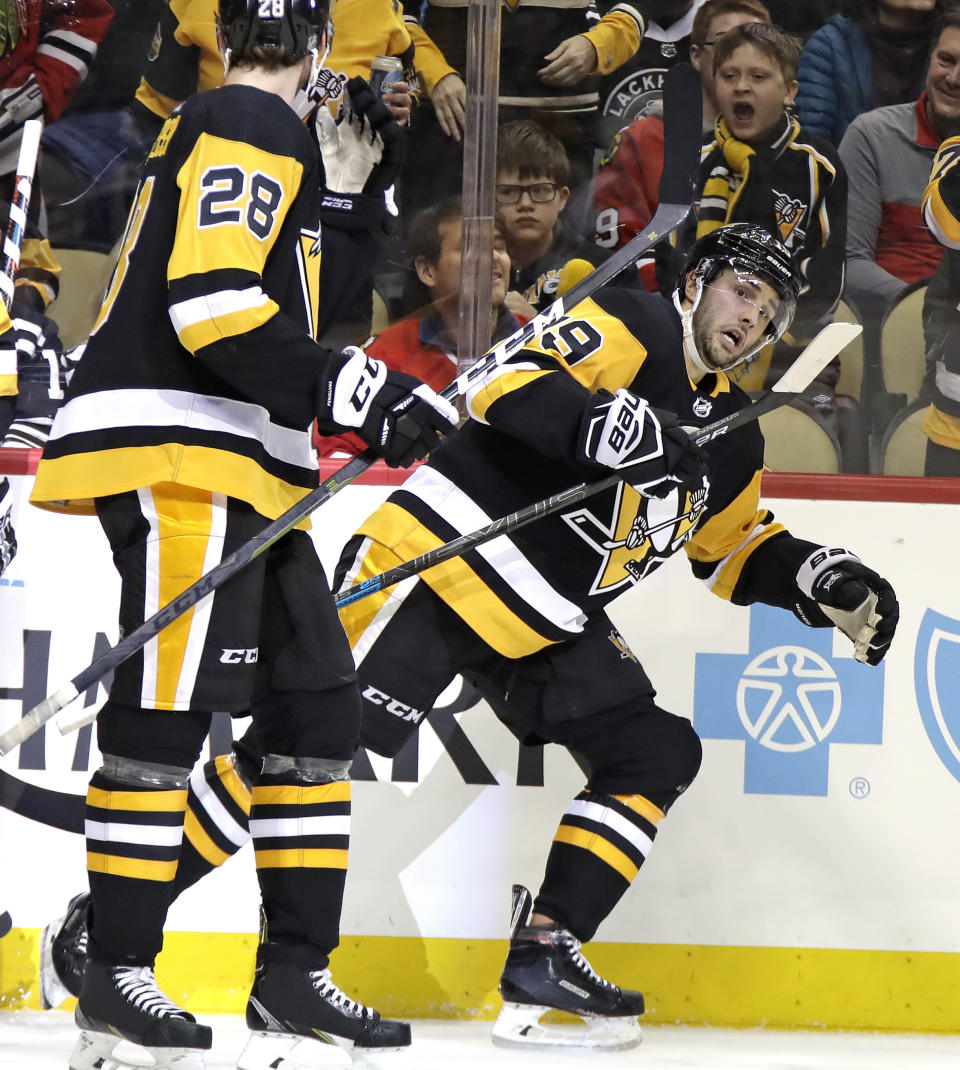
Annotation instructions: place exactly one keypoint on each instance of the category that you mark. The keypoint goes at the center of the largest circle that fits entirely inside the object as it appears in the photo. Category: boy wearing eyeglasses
(532, 190)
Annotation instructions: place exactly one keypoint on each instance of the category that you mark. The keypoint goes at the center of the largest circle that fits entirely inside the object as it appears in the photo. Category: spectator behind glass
(872, 57)
(887, 154)
(551, 54)
(533, 176)
(97, 156)
(626, 188)
(762, 168)
(635, 89)
(424, 344)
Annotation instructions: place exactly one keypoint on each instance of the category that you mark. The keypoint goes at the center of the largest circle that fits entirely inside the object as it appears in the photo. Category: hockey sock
(134, 827)
(598, 849)
(300, 824)
(218, 809)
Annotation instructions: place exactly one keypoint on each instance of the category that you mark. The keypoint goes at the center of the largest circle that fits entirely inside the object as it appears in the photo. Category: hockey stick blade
(681, 104)
(817, 355)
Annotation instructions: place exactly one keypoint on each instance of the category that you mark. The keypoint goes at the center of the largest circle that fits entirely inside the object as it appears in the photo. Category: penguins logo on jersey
(641, 535)
(789, 213)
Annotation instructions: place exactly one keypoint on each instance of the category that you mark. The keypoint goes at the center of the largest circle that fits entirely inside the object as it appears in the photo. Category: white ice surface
(33, 1040)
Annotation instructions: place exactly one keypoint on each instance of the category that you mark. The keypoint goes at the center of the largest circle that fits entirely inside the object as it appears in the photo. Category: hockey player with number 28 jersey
(187, 429)
(523, 616)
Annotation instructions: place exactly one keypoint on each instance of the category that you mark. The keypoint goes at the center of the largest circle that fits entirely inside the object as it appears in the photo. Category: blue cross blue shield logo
(936, 670)
(788, 699)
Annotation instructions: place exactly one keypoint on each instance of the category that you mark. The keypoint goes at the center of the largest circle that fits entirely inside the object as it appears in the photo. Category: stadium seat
(851, 358)
(797, 442)
(902, 351)
(83, 279)
(904, 444)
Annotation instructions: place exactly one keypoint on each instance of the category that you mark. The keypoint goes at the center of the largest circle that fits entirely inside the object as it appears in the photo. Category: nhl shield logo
(936, 670)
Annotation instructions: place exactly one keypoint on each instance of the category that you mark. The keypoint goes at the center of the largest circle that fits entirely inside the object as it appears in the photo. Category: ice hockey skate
(545, 971)
(293, 1009)
(120, 1003)
(63, 954)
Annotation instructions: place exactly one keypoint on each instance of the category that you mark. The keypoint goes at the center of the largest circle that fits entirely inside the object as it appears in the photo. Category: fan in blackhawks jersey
(186, 429)
(525, 622)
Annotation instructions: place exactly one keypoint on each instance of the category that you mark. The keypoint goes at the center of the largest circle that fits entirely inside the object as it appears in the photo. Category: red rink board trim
(775, 484)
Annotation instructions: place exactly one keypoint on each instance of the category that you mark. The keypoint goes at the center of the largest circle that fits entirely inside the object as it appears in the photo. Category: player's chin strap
(817, 576)
(686, 320)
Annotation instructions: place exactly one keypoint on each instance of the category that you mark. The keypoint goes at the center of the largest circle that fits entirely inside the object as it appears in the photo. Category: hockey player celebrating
(187, 428)
(523, 618)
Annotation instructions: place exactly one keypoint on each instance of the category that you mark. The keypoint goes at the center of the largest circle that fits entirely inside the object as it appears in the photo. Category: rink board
(808, 877)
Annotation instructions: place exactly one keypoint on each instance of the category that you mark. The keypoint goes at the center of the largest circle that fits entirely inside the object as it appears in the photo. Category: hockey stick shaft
(828, 343)
(19, 206)
(682, 99)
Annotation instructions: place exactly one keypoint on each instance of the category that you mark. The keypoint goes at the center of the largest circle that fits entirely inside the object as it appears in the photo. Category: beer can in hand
(384, 71)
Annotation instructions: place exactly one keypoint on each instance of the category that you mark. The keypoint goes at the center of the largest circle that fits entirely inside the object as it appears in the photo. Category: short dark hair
(530, 149)
(782, 48)
(425, 242)
(714, 8)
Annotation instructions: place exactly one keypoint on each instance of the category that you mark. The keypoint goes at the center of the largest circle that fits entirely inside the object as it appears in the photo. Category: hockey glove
(8, 537)
(397, 415)
(362, 148)
(621, 431)
(845, 593)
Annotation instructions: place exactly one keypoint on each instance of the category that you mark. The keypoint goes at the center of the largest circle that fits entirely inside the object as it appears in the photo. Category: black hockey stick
(681, 103)
(827, 344)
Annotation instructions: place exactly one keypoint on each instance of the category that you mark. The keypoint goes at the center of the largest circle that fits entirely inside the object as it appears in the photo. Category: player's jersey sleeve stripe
(719, 550)
(722, 579)
(501, 381)
(180, 408)
(201, 321)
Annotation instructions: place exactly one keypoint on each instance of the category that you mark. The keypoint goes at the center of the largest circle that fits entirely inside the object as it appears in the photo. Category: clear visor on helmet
(755, 304)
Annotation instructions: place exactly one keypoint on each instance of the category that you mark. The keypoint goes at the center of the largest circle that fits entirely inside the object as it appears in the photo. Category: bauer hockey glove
(650, 448)
(397, 415)
(839, 590)
(8, 537)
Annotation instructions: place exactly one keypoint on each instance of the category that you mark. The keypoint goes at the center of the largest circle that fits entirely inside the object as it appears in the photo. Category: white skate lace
(329, 991)
(579, 960)
(138, 985)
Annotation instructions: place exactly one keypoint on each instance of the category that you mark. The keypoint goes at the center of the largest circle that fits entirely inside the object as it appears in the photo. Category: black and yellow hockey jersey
(539, 585)
(201, 368)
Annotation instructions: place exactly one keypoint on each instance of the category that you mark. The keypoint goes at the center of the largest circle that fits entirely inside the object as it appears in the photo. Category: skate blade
(280, 1051)
(52, 991)
(518, 1026)
(95, 1051)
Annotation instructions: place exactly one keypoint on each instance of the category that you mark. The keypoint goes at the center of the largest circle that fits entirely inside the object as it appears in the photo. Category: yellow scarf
(725, 187)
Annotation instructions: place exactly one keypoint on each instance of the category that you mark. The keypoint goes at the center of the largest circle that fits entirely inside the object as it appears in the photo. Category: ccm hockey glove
(844, 592)
(651, 449)
(397, 415)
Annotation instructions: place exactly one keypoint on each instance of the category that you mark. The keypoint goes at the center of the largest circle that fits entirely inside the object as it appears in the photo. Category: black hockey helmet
(753, 252)
(295, 25)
